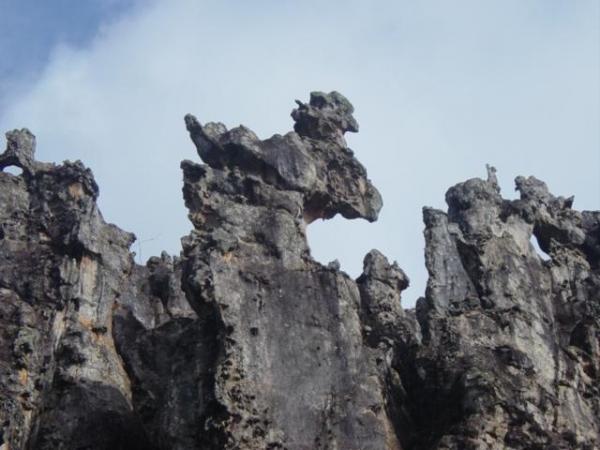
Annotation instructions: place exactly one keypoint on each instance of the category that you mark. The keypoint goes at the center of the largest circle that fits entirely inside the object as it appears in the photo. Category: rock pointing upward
(243, 341)
(290, 328)
(313, 161)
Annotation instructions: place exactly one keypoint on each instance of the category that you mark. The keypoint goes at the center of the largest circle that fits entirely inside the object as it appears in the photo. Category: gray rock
(315, 163)
(290, 328)
(325, 117)
(62, 384)
(243, 341)
(502, 363)
(20, 150)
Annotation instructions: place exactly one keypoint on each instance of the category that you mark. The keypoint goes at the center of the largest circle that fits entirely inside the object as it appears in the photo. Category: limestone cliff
(243, 341)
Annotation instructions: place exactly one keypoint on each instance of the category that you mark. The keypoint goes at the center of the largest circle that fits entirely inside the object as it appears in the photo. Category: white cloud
(440, 88)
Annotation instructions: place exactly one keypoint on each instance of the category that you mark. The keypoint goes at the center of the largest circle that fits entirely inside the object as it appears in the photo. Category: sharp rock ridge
(243, 341)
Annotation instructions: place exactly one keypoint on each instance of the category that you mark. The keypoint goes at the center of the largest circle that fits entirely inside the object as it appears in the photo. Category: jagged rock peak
(20, 150)
(245, 342)
(505, 360)
(326, 116)
(289, 328)
(314, 160)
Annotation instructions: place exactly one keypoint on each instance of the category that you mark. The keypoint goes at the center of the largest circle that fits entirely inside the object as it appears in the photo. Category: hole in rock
(349, 241)
(541, 253)
(13, 170)
(342, 239)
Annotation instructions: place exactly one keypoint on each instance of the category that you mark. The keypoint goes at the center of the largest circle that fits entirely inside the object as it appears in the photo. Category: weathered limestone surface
(243, 341)
(62, 269)
(292, 371)
(509, 356)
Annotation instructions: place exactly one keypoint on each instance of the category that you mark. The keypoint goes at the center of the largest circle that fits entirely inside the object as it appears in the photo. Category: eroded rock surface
(62, 383)
(243, 341)
(291, 371)
(501, 364)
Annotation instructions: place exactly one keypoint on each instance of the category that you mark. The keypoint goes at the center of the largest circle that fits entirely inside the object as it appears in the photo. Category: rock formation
(243, 341)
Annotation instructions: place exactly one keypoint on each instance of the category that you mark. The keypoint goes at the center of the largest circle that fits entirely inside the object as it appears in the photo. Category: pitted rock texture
(243, 341)
(291, 371)
(509, 356)
(62, 383)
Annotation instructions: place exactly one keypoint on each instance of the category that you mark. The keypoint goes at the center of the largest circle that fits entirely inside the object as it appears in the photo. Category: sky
(440, 89)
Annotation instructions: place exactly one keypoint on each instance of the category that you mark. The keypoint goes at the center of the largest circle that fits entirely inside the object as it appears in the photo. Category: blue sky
(31, 29)
(440, 89)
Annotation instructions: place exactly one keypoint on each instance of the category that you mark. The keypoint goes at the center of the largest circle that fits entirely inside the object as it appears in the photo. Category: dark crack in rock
(243, 341)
